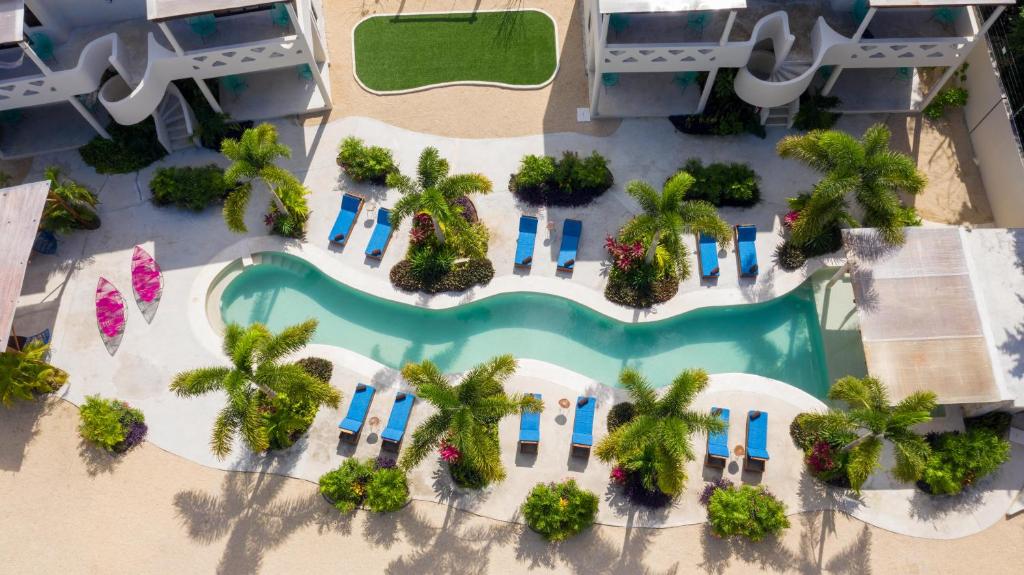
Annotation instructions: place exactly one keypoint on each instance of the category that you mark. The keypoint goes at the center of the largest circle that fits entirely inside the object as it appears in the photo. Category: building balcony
(229, 30)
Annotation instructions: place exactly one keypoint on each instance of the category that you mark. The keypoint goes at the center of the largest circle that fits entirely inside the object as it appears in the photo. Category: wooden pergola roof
(21, 207)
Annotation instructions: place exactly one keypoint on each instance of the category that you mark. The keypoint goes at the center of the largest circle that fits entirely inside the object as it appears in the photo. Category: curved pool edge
(376, 282)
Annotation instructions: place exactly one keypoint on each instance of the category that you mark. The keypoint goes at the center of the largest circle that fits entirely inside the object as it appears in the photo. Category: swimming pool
(780, 339)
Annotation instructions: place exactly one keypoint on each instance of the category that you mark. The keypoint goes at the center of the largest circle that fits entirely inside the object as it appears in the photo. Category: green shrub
(535, 171)
(558, 511)
(997, 422)
(461, 277)
(570, 181)
(211, 127)
(387, 490)
(430, 260)
(814, 113)
(286, 420)
(24, 373)
(749, 512)
(725, 114)
(365, 163)
(345, 487)
(790, 256)
(317, 367)
(130, 148)
(466, 476)
(190, 188)
(111, 424)
(620, 414)
(958, 460)
(955, 97)
(69, 205)
(732, 184)
(640, 287)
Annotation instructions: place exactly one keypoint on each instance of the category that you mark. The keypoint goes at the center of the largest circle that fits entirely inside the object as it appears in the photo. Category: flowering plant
(422, 229)
(790, 218)
(820, 458)
(449, 453)
(624, 255)
(618, 475)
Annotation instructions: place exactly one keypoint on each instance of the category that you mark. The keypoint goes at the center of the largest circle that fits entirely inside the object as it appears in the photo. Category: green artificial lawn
(516, 47)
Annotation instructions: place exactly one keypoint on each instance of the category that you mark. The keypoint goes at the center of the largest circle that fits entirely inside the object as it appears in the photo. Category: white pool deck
(191, 248)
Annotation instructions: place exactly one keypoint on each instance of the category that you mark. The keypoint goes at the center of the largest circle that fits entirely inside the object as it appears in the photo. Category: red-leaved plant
(790, 219)
(624, 255)
(618, 475)
(820, 459)
(449, 453)
(422, 228)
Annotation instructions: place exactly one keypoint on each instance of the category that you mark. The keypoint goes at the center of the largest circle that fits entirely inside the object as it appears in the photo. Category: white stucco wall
(995, 146)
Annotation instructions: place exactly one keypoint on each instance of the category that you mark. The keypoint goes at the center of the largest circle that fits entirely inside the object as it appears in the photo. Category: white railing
(165, 66)
(899, 53)
(672, 57)
(84, 78)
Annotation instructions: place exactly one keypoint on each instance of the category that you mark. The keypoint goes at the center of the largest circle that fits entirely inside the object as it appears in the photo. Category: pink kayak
(110, 314)
(147, 282)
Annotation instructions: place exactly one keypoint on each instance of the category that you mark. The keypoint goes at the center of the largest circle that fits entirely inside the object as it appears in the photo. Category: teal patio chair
(905, 74)
(944, 15)
(684, 80)
(279, 14)
(698, 20)
(305, 72)
(42, 45)
(859, 10)
(618, 22)
(204, 25)
(234, 84)
(610, 79)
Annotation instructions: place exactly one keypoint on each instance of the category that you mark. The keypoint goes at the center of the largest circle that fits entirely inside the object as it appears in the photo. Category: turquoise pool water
(780, 338)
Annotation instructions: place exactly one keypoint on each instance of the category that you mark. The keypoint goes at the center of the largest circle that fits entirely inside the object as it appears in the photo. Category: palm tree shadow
(251, 513)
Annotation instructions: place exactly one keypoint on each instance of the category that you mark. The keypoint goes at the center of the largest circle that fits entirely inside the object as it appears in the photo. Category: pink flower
(790, 218)
(624, 255)
(618, 475)
(449, 453)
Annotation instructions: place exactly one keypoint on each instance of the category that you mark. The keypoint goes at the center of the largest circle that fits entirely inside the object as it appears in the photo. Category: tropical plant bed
(621, 291)
(396, 53)
(461, 277)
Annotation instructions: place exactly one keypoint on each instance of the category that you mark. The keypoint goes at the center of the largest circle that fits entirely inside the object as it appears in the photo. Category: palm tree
(253, 158)
(870, 415)
(865, 169)
(434, 193)
(467, 414)
(668, 215)
(69, 205)
(255, 378)
(24, 373)
(656, 443)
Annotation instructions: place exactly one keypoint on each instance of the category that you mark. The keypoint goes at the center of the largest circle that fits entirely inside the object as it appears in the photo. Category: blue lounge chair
(353, 422)
(707, 247)
(746, 250)
(571, 230)
(583, 426)
(718, 443)
(381, 235)
(392, 436)
(757, 441)
(527, 239)
(347, 216)
(529, 429)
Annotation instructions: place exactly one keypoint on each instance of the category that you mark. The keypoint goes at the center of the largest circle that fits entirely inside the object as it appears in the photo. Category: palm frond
(863, 462)
(639, 389)
(199, 381)
(432, 168)
(425, 438)
(290, 340)
(457, 186)
(235, 206)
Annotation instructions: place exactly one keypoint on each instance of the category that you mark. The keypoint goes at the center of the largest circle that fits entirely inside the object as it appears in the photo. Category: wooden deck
(20, 210)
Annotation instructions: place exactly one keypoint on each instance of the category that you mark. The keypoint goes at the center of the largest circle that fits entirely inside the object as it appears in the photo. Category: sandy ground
(158, 513)
(466, 111)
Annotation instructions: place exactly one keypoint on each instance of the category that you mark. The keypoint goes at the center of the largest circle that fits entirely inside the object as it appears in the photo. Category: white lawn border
(355, 74)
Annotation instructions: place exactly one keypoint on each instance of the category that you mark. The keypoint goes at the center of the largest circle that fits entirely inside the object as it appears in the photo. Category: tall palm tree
(865, 169)
(253, 158)
(467, 414)
(26, 372)
(668, 215)
(255, 376)
(69, 205)
(434, 193)
(656, 443)
(872, 419)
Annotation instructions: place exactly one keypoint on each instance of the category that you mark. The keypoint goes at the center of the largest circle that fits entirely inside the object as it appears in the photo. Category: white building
(661, 57)
(69, 67)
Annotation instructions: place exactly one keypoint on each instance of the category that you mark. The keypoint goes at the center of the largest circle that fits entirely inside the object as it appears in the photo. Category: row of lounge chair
(571, 230)
(746, 252)
(391, 438)
(351, 206)
(755, 457)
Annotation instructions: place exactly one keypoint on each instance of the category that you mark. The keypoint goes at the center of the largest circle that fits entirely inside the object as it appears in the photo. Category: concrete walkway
(191, 247)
